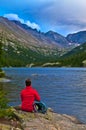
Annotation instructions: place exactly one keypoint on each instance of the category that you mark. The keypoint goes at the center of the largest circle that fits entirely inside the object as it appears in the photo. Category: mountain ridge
(79, 37)
(62, 41)
(21, 48)
(57, 38)
(39, 35)
(21, 43)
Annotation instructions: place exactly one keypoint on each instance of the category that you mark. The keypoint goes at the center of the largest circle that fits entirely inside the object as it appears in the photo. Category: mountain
(77, 50)
(17, 32)
(75, 58)
(79, 37)
(57, 38)
(50, 37)
(23, 46)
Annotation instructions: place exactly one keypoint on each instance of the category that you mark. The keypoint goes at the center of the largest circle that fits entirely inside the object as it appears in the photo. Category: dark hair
(28, 82)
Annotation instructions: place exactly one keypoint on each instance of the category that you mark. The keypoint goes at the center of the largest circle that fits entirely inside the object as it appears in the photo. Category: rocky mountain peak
(79, 37)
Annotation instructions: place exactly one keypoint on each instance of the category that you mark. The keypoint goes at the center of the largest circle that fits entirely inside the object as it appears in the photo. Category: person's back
(28, 96)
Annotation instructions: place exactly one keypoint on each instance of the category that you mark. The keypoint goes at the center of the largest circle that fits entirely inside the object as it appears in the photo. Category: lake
(62, 89)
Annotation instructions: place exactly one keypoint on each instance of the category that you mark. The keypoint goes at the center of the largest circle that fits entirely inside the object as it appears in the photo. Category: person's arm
(37, 96)
(21, 96)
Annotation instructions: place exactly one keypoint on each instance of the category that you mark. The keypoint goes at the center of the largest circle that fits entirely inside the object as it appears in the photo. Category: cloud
(59, 15)
(56, 14)
(13, 17)
(33, 25)
(16, 17)
(66, 11)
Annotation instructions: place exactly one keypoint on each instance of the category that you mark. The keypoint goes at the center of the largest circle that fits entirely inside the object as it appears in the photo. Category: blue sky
(61, 16)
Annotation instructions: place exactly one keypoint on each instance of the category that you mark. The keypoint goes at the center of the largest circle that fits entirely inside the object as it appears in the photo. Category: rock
(48, 121)
(4, 80)
(8, 127)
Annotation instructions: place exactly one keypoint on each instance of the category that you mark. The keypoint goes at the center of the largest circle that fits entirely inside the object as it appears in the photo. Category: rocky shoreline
(38, 121)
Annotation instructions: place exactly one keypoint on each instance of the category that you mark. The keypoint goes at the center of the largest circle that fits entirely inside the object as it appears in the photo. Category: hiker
(30, 100)
(28, 96)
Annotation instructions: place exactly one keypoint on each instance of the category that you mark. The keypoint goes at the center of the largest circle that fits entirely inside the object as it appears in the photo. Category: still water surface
(63, 89)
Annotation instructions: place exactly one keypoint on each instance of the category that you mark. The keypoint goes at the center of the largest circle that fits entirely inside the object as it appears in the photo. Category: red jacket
(28, 96)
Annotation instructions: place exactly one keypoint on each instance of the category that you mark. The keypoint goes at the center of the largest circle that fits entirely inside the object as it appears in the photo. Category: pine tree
(1, 45)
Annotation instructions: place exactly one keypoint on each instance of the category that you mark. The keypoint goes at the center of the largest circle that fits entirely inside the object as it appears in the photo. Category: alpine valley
(24, 46)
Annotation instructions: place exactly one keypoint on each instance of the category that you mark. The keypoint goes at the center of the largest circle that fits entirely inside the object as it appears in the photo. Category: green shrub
(5, 110)
(3, 100)
(6, 113)
(2, 74)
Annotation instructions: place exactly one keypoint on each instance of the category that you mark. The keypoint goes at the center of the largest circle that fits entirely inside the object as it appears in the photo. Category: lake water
(62, 89)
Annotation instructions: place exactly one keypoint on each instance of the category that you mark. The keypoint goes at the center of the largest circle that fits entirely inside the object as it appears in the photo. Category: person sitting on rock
(30, 100)
(28, 96)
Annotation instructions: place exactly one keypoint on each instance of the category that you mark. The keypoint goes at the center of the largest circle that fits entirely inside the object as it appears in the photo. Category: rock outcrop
(48, 121)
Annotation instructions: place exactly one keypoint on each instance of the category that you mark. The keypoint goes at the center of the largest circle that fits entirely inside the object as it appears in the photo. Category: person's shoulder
(34, 90)
(22, 90)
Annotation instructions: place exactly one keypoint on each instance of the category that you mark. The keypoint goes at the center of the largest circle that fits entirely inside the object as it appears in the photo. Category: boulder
(48, 121)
